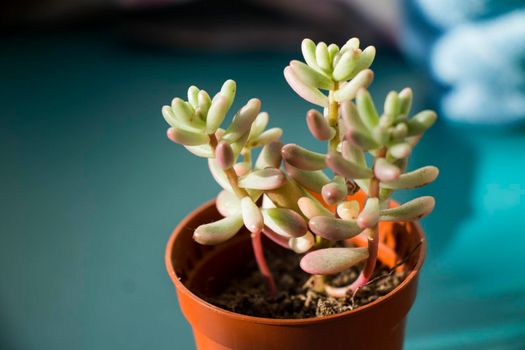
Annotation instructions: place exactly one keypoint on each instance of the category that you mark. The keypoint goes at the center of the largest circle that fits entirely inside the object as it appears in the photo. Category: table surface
(91, 189)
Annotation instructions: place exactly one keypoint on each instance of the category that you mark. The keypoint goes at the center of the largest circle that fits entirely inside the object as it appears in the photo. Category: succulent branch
(291, 204)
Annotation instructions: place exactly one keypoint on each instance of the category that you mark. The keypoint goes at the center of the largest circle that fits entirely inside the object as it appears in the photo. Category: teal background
(90, 190)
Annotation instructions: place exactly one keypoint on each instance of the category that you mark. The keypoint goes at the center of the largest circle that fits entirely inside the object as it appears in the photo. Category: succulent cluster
(285, 193)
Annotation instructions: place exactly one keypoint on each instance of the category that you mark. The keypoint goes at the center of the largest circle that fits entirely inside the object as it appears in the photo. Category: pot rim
(280, 321)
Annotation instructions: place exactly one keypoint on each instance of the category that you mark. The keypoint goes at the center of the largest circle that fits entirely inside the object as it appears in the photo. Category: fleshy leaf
(284, 222)
(216, 113)
(405, 101)
(349, 90)
(268, 136)
(251, 215)
(186, 137)
(301, 244)
(204, 151)
(412, 210)
(309, 93)
(228, 90)
(322, 57)
(346, 64)
(242, 122)
(348, 210)
(310, 180)
(312, 208)
(347, 168)
(362, 139)
(263, 179)
(308, 49)
(421, 122)
(302, 158)
(270, 156)
(218, 231)
(365, 59)
(367, 110)
(227, 203)
(330, 261)
(224, 155)
(334, 229)
(335, 191)
(310, 76)
(181, 109)
(258, 126)
(353, 153)
(369, 217)
(219, 175)
(318, 125)
(414, 179)
(386, 171)
(400, 150)
(392, 104)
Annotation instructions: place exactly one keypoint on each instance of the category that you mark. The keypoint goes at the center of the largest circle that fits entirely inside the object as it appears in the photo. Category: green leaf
(251, 215)
(308, 49)
(228, 90)
(346, 64)
(409, 211)
(386, 171)
(335, 191)
(227, 203)
(310, 180)
(318, 125)
(311, 208)
(284, 222)
(258, 125)
(302, 158)
(405, 101)
(421, 122)
(270, 156)
(307, 92)
(263, 179)
(216, 113)
(334, 229)
(322, 56)
(310, 76)
(369, 217)
(414, 179)
(330, 261)
(302, 244)
(218, 231)
(347, 168)
(367, 110)
(193, 93)
(186, 137)
(349, 90)
(242, 121)
(392, 104)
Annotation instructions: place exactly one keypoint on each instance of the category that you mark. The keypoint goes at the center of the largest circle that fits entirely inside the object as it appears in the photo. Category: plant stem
(333, 118)
(373, 233)
(261, 262)
(258, 251)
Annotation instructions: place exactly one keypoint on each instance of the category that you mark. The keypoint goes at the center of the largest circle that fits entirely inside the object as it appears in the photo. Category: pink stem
(261, 262)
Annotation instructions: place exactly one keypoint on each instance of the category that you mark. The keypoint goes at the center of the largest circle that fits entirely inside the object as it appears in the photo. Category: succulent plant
(285, 193)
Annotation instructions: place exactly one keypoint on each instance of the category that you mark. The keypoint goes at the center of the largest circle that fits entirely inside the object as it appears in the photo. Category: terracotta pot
(199, 270)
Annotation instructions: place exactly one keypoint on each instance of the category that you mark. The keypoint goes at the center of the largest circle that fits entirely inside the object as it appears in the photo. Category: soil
(248, 294)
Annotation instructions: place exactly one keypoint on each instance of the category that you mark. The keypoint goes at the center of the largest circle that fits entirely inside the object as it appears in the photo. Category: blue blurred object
(476, 48)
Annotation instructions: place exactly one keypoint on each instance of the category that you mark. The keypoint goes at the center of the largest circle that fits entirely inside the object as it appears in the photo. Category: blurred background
(90, 188)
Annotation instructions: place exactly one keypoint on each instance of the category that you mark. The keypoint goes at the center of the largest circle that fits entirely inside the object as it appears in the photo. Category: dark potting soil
(248, 294)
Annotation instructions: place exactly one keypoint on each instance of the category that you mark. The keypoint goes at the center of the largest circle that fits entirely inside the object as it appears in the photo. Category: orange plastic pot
(200, 270)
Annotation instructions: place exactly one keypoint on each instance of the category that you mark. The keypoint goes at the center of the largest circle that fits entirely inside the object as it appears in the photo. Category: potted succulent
(336, 260)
